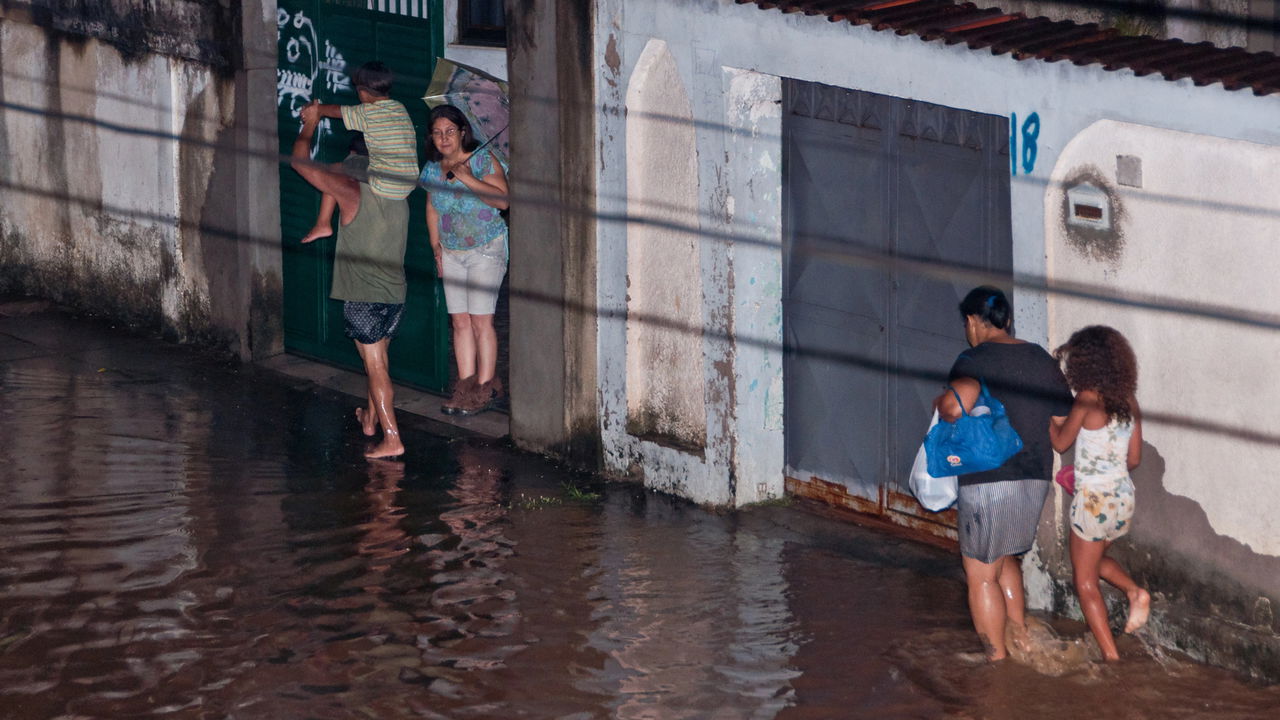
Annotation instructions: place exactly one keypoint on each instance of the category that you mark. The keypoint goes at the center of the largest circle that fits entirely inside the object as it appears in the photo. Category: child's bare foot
(389, 447)
(317, 232)
(1139, 609)
(368, 421)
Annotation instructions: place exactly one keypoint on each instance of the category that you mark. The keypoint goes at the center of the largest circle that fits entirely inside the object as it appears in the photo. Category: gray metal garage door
(869, 178)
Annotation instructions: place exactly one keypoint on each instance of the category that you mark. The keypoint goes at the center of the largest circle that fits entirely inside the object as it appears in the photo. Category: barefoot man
(373, 219)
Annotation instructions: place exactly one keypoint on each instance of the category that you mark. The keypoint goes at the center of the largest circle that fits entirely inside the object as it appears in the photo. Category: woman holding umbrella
(466, 190)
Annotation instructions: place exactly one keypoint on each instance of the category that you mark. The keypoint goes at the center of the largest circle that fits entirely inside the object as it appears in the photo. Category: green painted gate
(321, 43)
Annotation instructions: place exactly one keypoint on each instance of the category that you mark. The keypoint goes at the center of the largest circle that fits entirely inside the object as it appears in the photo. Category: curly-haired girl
(1106, 427)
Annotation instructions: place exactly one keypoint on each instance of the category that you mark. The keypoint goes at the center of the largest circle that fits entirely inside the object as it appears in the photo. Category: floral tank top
(1102, 455)
(466, 222)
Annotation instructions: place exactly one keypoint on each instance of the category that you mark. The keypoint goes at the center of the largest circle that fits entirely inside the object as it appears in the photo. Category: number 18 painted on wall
(1030, 131)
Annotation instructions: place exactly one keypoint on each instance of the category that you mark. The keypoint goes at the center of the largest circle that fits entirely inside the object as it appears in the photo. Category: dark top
(1028, 381)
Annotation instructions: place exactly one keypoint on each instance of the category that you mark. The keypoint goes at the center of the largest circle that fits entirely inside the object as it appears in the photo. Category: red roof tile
(1043, 39)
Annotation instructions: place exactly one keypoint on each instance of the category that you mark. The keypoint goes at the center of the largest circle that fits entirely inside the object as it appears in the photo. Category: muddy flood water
(183, 539)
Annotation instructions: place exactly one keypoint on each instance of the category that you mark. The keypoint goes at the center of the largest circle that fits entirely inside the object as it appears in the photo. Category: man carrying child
(368, 263)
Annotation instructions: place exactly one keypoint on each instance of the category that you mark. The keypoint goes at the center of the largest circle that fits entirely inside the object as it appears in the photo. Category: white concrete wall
(1199, 233)
(489, 59)
(707, 38)
(738, 376)
(92, 193)
(132, 176)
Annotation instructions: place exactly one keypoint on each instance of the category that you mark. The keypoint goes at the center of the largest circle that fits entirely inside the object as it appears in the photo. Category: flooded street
(188, 539)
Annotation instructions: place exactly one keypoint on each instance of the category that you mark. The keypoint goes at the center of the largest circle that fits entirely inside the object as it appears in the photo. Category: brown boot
(462, 390)
(481, 398)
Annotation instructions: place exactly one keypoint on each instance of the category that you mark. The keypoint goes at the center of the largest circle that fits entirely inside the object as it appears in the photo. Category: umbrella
(481, 97)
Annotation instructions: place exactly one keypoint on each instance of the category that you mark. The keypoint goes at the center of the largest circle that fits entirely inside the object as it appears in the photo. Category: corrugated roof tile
(1049, 41)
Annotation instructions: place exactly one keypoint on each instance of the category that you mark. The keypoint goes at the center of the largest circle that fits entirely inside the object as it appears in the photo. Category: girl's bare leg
(1139, 599)
(324, 221)
(987, 604)
(1086, 557)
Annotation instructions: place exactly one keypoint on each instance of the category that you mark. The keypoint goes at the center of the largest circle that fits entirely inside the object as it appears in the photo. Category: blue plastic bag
(981, 439)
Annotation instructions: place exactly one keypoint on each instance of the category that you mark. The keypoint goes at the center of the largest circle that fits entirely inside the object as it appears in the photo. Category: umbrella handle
(449, 175)
(495, 137)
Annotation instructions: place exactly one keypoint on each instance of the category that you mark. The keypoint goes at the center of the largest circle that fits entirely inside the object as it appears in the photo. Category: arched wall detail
(665, 377)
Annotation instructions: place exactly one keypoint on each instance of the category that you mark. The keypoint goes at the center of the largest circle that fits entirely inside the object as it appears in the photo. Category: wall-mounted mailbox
(1088, 206)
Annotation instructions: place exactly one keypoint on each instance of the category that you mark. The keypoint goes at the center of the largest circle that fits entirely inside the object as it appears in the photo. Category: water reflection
(184, 554)
(683, 607)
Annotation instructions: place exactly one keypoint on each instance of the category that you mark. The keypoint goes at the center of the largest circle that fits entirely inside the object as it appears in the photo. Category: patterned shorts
(367, 323)
(1102, 510)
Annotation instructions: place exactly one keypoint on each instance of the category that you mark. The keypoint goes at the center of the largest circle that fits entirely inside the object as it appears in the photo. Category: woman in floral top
(466, 191)
(1105, 425)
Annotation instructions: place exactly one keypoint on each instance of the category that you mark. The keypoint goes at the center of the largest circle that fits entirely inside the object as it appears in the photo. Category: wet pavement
(186, 538)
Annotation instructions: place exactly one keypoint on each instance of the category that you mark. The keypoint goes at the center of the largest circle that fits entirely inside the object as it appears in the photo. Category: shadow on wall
(1214, 598)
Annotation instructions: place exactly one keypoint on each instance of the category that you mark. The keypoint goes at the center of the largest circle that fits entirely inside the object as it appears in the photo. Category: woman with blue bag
(999, 509)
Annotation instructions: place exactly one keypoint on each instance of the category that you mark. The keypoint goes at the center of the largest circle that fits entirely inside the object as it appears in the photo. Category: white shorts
(472, 278)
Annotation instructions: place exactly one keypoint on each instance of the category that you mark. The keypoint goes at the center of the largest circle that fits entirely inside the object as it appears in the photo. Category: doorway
(881, 196)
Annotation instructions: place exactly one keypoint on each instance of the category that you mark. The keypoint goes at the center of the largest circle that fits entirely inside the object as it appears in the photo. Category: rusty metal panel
(939, 529)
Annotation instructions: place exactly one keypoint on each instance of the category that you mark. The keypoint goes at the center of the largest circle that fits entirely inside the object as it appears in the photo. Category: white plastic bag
(935, 494)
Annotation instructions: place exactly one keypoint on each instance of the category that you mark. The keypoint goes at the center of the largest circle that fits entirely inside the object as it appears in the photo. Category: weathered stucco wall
(1193, 229)
(730, 59)
(665, 400)
(553, 243)
(135, 143)
(728, 360)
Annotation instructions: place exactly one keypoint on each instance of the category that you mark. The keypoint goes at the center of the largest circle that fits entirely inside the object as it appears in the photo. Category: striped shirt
(393, 146)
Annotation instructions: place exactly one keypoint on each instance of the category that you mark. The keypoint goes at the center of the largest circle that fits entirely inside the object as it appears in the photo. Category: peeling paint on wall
(666, 390)
(612, 60)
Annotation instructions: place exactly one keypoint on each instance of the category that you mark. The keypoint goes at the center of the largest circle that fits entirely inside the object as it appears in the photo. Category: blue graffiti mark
(1030, 149)
(1013, 144)
(1030, 132)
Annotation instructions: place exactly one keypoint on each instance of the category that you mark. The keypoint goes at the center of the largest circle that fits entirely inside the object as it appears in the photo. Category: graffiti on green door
(320, 43)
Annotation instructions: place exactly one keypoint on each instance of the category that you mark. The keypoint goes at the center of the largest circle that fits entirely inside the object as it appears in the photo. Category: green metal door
(321, 43)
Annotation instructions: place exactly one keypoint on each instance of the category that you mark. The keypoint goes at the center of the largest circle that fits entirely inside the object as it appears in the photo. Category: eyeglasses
(451, 132)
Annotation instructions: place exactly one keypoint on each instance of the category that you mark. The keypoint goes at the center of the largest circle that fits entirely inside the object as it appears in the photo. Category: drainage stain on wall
(1099, 243)
(205, 32)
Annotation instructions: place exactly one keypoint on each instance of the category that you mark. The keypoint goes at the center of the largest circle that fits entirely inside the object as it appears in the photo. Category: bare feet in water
(1139, 609)
(368, 421)
(389, 447)
(1018, 639)
(317, 232)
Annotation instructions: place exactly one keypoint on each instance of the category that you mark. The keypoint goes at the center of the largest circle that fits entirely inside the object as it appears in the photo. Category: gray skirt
(999, 518)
